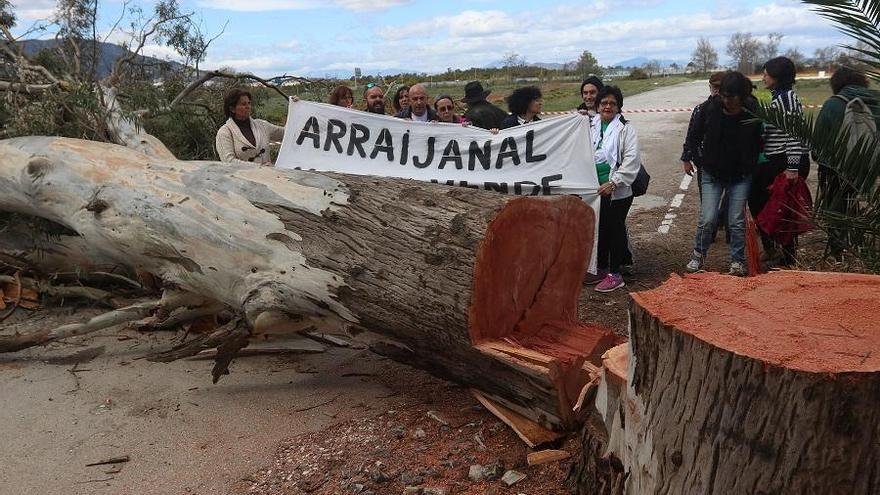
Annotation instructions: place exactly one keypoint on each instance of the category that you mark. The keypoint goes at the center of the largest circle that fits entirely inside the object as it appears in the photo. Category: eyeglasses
(445, 109)
(607, 103)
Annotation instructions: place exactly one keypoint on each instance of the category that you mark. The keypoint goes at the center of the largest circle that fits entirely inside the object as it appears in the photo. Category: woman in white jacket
(242, 139)
(616, 150)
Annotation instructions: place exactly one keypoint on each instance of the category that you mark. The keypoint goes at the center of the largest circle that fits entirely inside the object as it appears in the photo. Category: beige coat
(230, 142)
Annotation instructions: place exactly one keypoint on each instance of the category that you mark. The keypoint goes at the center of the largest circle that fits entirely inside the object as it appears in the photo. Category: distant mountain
(642, 61)
(108, 54)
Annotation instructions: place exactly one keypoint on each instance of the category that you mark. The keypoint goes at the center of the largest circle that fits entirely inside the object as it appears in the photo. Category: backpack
(859, 121)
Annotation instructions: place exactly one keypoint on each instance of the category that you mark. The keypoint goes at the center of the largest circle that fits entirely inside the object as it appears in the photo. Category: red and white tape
(655, 110)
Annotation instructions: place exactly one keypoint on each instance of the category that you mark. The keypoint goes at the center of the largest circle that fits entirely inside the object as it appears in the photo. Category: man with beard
(375, 98)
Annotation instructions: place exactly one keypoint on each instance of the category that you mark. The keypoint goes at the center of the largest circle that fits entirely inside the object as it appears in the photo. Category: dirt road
(90, 399)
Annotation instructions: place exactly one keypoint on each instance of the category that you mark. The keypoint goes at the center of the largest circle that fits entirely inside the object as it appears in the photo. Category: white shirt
(419, 118)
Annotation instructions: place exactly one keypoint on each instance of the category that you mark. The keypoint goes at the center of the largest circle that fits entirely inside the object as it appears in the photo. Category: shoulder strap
(844, 98)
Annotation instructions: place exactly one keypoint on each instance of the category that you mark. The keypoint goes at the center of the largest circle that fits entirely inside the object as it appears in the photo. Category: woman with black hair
(524, 104)
(785, 153)
(401, 99)
(616, 152)
(243, 139)
(725, 144)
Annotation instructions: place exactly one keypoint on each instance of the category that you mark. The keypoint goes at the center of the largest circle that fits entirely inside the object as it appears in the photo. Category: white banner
(541, 158)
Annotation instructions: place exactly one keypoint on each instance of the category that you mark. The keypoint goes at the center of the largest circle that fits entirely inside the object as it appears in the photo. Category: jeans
(612, 246)
(738, 194)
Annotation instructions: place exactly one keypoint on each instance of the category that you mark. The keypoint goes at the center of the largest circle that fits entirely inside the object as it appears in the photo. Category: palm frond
(854, 206)
(860, 20)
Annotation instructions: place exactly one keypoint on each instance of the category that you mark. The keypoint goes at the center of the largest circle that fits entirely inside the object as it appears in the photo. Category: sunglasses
(371, 85)
(445, 108)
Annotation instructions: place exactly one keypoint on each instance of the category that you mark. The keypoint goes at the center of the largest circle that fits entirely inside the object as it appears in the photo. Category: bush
(638, 74)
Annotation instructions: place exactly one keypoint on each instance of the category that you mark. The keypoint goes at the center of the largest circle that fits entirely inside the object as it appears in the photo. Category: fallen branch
(228, 332)
(17, 342)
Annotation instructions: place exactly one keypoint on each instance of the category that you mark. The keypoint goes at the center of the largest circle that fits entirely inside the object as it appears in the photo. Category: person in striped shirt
(785, 153)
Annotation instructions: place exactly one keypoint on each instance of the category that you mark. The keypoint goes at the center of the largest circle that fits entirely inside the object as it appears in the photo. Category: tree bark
(473, 286)
(743, 386)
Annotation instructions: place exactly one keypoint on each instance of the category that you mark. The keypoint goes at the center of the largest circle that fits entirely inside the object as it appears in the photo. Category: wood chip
(545, 456)
(527, 430)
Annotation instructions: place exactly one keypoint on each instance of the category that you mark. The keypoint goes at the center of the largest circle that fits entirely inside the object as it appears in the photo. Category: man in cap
(480, 112)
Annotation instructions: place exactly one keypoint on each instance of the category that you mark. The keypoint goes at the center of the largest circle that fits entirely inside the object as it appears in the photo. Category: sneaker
(595, 278)
(738, 269)
(612, 281)
(695, 264)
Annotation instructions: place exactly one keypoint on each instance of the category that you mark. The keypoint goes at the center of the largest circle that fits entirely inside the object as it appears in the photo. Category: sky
(310, 37)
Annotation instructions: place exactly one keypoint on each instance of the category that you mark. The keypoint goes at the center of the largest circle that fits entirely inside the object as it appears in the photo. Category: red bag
(788, 211)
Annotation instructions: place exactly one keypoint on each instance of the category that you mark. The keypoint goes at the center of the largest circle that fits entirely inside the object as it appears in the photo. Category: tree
(744, 49)
(824, 58)
(797, 57)
(587, 65)
(704, 57)
(652, 67)
(288, 250)
(64, 91)
(770, 48)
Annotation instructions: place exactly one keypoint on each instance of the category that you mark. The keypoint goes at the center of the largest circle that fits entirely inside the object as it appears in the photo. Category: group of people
(736, 158)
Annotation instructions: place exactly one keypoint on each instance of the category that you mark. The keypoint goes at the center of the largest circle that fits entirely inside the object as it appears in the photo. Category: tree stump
(765, 385)
(470, 285)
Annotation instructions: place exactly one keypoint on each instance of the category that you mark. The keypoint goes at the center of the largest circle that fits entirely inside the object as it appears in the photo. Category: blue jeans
(737, 194)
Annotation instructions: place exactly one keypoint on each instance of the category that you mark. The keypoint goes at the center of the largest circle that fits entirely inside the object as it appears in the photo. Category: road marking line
(674, 204)
(686, 182)
(676, 201)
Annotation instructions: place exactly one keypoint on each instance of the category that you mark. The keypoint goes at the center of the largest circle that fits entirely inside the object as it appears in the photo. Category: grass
(558, 95)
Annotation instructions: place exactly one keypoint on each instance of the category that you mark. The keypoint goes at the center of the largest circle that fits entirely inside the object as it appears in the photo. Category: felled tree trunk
(472, 286)
(744, 386)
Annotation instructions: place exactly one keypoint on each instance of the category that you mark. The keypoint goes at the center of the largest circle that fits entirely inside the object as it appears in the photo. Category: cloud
(277, 5)
(32, 10)
(609, 40)
(467, 24)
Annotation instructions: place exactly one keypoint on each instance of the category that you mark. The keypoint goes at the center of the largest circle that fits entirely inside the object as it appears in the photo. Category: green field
(558, 95)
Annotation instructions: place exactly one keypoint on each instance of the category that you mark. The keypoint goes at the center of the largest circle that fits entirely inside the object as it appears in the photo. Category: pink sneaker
(592, 279)
(611, 282)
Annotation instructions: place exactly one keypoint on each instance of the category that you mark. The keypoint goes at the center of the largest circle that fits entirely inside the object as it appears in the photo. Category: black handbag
(640, 185)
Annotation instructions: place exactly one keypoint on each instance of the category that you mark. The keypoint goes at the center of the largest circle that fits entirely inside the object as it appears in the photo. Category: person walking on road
(725, 143)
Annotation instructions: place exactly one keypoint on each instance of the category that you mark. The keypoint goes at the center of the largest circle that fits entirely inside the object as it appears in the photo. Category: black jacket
(512, 121)
(484, 115)
(706, 141)
(406, 113)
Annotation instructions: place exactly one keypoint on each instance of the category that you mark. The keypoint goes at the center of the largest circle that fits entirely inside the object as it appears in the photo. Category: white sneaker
(695, 264)
(737, 269)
